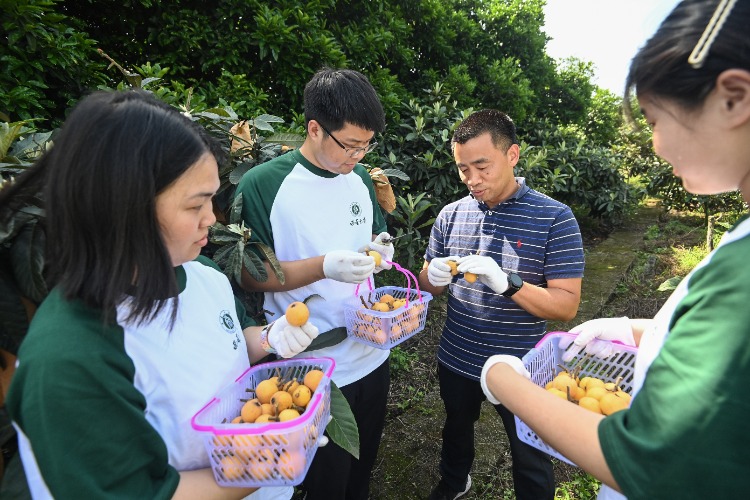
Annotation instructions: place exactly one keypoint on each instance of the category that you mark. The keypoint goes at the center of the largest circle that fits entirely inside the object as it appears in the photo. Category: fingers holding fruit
(292, 333)
(441, 270)
(348, 266)
(381, 250)
(486, 269)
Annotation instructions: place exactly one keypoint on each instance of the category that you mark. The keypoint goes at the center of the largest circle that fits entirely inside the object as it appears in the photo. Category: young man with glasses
(316, 207)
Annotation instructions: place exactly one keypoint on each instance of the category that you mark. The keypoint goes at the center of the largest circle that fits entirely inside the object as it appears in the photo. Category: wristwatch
(514, 284)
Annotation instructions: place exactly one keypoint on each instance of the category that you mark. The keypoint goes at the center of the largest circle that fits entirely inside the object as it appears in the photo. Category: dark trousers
(533, 478)
(334, 473)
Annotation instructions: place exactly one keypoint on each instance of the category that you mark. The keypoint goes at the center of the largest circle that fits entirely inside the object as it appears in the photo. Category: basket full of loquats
(386, 316)
(263, 429)
(599, 385)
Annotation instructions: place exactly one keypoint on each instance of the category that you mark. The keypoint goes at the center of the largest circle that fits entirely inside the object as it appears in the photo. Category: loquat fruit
(251, 410)
(265, 389)
(301, 396)
(376, 255)
(453, 265)
(297, 314)
(312, 379)
(280, 401)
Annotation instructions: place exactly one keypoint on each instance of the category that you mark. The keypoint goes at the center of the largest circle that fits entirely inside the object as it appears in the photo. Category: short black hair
(114, 154)
(334, 97)
(499, 125)
(661, 68)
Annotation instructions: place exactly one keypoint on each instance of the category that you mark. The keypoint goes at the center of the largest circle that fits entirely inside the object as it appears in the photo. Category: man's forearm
(552, 303)
(424, 283)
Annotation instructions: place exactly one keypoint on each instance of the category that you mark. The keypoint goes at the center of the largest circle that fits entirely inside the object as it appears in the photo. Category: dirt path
(407, 466)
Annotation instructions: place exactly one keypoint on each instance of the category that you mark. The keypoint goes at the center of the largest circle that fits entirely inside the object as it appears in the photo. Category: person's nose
(210, 217)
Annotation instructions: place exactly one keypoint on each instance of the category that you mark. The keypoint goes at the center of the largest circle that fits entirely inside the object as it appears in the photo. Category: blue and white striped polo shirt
(531, 234)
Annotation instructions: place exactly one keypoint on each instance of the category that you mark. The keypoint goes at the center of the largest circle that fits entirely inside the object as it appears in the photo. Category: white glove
(486, 269)
(288, 340)
(439, 272)
(513, 361)
(384, 249)
(348, 266)
(603, 329)
(323, 439)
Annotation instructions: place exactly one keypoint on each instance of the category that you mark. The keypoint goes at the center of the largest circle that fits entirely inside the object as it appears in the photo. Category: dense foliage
(486, 53)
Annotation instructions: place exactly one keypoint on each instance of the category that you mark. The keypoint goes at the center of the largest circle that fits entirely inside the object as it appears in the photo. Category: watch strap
(515, 283)
(264, 344)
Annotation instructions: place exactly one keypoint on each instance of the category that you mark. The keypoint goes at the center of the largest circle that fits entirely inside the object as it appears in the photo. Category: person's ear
(314, 129)
(513, 153)
(733, 88)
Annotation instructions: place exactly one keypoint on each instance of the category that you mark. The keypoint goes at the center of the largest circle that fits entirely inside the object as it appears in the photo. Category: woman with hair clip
(685, 433)
(138, 331)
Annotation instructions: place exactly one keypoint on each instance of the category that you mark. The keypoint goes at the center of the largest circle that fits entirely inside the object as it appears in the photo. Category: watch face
(515, 280)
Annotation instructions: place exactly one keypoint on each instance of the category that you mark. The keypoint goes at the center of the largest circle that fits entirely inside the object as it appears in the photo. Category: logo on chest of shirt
(227, 322)
(356, 212)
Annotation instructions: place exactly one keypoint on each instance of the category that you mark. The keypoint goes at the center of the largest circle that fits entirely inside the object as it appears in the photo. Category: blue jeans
(533, 477)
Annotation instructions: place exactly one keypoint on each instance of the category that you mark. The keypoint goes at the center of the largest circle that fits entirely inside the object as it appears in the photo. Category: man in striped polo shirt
(519, 260)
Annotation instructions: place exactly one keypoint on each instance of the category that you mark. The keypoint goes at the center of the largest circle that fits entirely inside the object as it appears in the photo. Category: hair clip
(700, 51)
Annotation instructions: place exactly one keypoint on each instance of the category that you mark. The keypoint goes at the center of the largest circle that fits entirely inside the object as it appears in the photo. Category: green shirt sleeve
(73, 396)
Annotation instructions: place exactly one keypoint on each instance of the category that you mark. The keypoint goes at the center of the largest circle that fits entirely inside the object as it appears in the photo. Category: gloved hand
(288, 340)
(323, 439)
(439, 272)
(513, 361)
(604, 329)
(487, 270)
(348, 266)
(384, 249)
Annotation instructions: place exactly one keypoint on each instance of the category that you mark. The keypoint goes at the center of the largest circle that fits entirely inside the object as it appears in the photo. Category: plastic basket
(386, 329)
(544, 360)
(272, 454)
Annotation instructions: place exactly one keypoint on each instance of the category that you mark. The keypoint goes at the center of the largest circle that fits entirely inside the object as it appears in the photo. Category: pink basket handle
(409, 277)
(369, 284)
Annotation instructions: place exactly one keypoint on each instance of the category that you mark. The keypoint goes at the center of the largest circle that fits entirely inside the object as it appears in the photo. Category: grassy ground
(673, 245)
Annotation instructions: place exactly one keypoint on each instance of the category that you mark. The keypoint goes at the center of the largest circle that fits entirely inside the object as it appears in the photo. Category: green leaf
(254, 265)
(394, 172)
(287, 139)
(8, 133)
(221, 256)
(270, 256)
(237, 173)
(314, 297)
(234, 261)
(221, 234)
(270, 118)
(235, 214)
(342, 429)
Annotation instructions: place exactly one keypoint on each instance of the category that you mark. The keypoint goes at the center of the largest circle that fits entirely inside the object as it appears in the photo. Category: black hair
(334, 97)
(114, 154)
(661, 68)
(501, 128)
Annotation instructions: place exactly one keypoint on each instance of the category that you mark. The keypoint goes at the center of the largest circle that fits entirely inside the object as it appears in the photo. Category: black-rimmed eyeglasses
(350, 152)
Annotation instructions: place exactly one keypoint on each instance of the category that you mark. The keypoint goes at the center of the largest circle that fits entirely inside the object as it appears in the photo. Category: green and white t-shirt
(685, 434)
(103, 410)
(303, 211)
